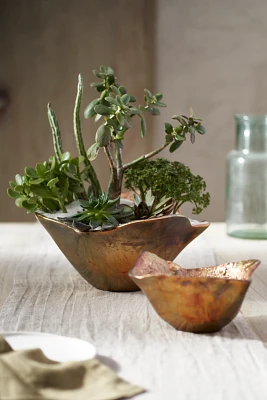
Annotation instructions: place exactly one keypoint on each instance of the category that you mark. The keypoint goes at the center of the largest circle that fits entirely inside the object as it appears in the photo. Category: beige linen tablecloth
(48, 295)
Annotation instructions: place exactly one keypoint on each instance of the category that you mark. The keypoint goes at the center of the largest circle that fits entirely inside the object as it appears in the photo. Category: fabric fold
(30, 375)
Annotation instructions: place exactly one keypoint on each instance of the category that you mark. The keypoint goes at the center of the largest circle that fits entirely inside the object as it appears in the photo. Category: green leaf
(89, 112)
(201, 129)
(53, 164)
(115, 90)
(127, 122)
(148, 93)
(160, 104)
(159, 96)
(29, 206)
(97, 117)
(100, 88)
(106, 70)
(70, 175)
(153, 111)
(112, 123)
(122, 90)
(98, 74)
(134, 111)
(175, 145)
(40, 169)
(42, 192)
(179, 137)
(103, 110)
(20, 200)
(192, 138)
(168, 138)
(52, 183)
(168, 127)
(12, 184)
(104, 94)
(12, 193)
(96, 84)
(112, 100)
(66, 156)
(179, 129)
(143, 126)
(111, 79)
(31, 172)
(19, 188)
(180, 119)
(52, 205)
(125, 99)
(109, 70)
(36, 181)
(120, 118)
(77, 189)
(73, 168)
(132, 99)
(80, 160)
(74, 161)
(112, 220)
(103, 135)
(92, 152)
(149, 199)
(137, 199)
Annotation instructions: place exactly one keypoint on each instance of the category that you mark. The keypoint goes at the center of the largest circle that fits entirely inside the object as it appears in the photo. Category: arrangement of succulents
(160, 187)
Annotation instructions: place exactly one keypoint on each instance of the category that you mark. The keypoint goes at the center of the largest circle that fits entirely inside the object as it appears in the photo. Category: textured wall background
(211, 54)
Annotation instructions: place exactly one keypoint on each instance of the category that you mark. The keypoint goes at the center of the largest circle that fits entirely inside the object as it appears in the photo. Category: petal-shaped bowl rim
(253, 262)
(192, 222)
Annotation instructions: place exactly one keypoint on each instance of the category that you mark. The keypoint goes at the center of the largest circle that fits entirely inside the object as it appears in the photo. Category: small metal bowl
(201, 300)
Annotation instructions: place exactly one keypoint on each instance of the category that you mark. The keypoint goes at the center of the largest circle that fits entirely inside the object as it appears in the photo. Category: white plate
(54, 347)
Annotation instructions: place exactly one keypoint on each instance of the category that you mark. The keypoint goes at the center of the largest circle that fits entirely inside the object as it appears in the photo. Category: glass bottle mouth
(251, 117)
(251, 132)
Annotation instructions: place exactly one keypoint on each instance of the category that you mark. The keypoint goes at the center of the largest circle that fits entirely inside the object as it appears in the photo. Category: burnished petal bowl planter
(201, 300)
(104, 258)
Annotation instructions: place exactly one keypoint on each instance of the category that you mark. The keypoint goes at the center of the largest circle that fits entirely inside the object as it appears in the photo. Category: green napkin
(29, 375)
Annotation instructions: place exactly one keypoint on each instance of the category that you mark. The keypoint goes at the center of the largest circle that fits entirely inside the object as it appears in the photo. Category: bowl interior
(149, 264)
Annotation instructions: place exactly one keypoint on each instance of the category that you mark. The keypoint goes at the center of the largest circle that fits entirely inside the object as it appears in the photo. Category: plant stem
(109, 156)
(83, 194)
(62, 206)
(118, 154)
(145, 157)
(55, 133)
(79, 140)
(115, 183)
(116, 177)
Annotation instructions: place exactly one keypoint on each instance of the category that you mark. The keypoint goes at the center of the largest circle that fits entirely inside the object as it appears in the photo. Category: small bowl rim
(149, 276)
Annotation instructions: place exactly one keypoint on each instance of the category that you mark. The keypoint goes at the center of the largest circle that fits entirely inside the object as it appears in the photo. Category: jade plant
(160, 186)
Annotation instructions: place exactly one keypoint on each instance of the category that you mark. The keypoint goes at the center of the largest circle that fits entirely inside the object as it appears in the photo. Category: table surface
(148, 352)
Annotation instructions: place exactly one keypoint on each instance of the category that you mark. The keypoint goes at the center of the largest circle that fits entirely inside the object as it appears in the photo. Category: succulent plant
(166, 178)
(100, 213)
(52, 185)
(151, 206)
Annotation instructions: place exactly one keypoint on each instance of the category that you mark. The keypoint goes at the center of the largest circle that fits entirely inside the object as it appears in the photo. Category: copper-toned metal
(104, 258)
(201, 300)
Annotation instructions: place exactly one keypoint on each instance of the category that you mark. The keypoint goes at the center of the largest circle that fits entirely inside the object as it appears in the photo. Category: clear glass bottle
(246, 191)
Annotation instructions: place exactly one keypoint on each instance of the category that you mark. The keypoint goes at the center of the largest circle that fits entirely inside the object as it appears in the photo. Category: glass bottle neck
(251, 133)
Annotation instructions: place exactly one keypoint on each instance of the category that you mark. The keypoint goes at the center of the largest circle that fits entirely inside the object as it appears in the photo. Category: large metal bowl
(104, 258)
